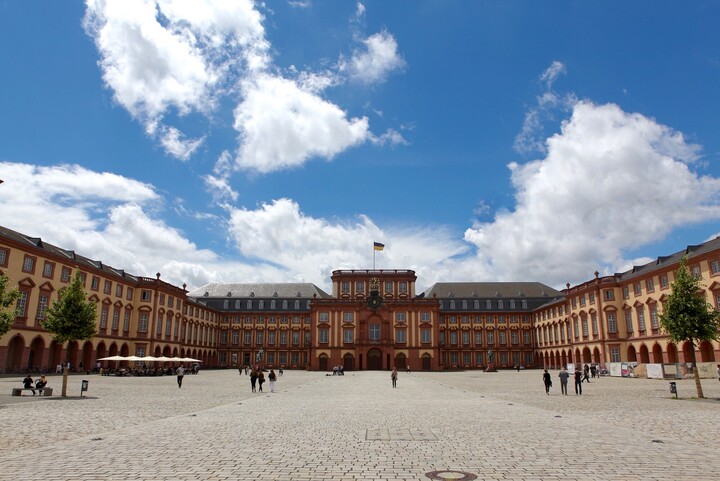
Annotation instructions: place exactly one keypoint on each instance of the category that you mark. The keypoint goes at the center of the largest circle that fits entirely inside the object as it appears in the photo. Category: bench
(43, 391)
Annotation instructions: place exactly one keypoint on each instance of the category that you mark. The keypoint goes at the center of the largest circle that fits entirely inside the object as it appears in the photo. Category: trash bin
(84, 387)
(673, 388)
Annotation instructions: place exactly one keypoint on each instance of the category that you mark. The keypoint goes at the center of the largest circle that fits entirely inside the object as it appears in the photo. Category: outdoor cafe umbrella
(189, 359)
(113, 358)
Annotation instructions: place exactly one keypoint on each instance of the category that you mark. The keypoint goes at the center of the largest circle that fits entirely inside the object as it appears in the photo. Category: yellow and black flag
(378, 246)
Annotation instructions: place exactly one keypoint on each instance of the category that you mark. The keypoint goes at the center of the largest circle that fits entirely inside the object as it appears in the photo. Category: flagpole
(373, 257)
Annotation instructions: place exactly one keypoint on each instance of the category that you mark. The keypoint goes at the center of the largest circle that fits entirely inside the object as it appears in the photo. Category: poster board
(655, 371)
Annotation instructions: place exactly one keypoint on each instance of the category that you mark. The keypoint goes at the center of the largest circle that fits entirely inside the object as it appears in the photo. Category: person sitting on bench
(28, 383)
(40, 383)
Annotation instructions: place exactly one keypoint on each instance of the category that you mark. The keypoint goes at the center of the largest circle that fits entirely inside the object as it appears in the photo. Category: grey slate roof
(662, 261)
(491, 290)
(262, 290)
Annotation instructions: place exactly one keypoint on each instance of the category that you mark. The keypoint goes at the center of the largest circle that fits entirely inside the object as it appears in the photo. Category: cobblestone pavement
(496, 426)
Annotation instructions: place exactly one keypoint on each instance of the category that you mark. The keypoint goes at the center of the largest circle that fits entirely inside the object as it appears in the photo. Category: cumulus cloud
(378, 57)
(218, 184)
(610, 181)
(281, 126)
(280, 233)
(175, 143)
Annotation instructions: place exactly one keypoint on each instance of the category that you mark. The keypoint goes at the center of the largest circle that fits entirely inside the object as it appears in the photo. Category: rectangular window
(628, 321)
(403, 287)
(526, 338)
(129, 293)
(145, 296)
(500, 304)
(323, 317)
(21, 306)
(247, 337)
(696, 272)
(388, 287)
(29, 264)
(374, 332)
(323, 336)
(115, 319)
(514, 338)
(65, 273)
(641, 318)
(143, 323)
(295, 338)
(399, 317)
(654, 323)
(126, 321)
(95, 283)
(348, 316)
(582, 300)
(168, 326)
(345, 287)
(664, 282)
(271, 338)
(488, 304)
(714, 267)
(638, 289)
(614, 354)
(650, 285)
(359, 287)
(425, 336)
(48, 269)
(593, 319)
(573, 301)
(609, 295)
(103, 317)
(575, 328)
(592, 297)
(348, 336)
(585, 331)
(491, 338)
(400, 336)
(612, 323)
(283, 338)
(107, 287)
(453, 338)
(118, 290)
(478, 338)
(4, 257)
(42, 306)
(502, 338)
(259, 338)
(425, 317)
(466, 338)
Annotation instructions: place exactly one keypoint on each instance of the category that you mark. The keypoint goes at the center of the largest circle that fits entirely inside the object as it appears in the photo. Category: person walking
(578, 382)
(180, 374)
(261, 380)
(272, 378)
(253, 379)
(394, 376)
(564, 375)
(586, 373)
(547, 381)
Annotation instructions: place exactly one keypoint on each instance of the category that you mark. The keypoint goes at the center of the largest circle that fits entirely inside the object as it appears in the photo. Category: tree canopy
(71, 317)
(8, 309)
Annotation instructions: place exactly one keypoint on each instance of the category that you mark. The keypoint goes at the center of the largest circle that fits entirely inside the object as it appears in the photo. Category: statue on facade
(259, 355)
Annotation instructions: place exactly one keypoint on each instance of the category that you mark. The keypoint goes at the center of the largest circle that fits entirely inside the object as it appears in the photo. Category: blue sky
(240, 141)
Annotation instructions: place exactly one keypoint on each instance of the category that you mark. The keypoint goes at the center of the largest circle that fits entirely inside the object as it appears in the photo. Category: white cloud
(391, 136)
(610, 181)
(531, 137)
(373, 64)
(281, 126)
(175, 143)
(311, 248)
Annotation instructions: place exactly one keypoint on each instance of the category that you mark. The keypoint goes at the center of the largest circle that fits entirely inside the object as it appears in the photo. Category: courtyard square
(495, 426)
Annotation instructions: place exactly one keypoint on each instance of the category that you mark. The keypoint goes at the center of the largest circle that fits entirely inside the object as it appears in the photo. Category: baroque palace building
(373, 319)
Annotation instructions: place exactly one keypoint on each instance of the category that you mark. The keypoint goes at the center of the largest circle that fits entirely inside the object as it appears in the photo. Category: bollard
(673, 388)
(83, 387)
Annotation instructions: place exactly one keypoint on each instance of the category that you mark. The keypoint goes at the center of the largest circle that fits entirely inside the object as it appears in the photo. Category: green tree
(71, 318)
(8, 309)
(687, 316)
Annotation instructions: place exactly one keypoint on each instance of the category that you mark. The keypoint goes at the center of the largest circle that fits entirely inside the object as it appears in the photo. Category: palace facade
(373, 319)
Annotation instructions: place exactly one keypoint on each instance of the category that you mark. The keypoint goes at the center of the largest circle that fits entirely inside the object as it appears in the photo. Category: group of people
(580, 376)
(257, 378)
(39, 384)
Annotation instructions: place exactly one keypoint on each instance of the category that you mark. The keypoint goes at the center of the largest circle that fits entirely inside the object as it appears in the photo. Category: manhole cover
(450, 475)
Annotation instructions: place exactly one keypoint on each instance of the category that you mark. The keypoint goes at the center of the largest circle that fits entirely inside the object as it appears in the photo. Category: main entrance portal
(374, 359)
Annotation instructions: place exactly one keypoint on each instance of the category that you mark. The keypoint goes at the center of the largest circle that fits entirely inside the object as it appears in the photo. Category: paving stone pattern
(497, 426)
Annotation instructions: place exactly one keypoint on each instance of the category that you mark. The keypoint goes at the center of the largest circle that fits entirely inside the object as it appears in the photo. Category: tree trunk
(696, 373)
(65, 380)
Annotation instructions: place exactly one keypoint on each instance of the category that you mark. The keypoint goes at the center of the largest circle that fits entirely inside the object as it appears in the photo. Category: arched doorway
(706, 352)
(426, 360)
(657, 356)
(348, 362)
(400, 361)
(586, 355)
(36, 353)
(632, 355)
(374, 359)
(687, 350)
(87, 360)
(15, 354)
(71, 355)
(672, 353)
(596, 355)
(323, 362)
(644, 354)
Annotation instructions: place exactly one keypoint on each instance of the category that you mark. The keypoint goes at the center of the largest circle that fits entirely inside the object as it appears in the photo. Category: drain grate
(384, 434)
